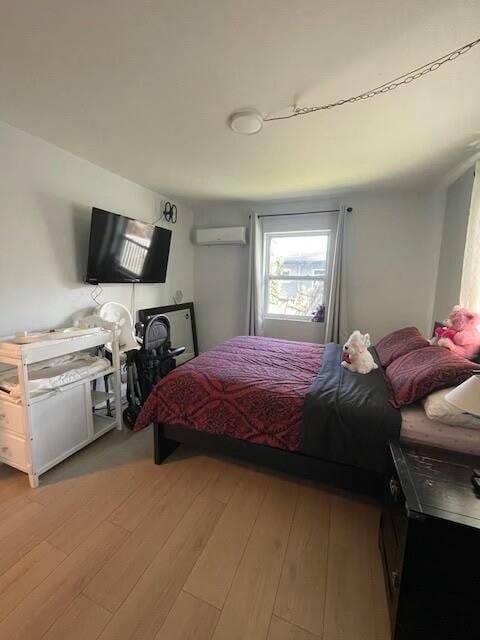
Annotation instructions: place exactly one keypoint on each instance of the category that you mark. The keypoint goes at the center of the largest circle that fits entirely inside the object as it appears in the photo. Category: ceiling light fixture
(246, 122)
(250, 121)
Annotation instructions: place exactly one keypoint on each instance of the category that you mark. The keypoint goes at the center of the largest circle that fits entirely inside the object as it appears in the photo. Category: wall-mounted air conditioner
(220, 235)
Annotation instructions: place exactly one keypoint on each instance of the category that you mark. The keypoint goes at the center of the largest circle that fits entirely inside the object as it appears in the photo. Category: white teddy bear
(356, 356)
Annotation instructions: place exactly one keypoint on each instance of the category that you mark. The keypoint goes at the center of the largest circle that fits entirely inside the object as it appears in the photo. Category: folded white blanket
(52, 374)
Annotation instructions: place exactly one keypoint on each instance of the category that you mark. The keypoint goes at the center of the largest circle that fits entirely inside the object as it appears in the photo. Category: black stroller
(149, 364)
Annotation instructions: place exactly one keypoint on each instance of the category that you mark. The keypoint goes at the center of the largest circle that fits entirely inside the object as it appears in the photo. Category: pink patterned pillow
(398, 343)
(418, 373)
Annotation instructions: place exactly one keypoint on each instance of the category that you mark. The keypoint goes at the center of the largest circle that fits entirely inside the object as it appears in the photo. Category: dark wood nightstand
(430, 544)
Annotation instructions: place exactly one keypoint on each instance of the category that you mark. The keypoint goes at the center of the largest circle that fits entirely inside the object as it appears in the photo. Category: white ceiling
(144, 88)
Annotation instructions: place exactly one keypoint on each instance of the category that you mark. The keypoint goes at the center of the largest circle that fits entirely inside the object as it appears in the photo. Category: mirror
(183, 328)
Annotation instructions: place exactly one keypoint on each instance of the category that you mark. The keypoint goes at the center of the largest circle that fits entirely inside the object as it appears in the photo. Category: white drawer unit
(13, 450)
(39, 432)
(12, 417)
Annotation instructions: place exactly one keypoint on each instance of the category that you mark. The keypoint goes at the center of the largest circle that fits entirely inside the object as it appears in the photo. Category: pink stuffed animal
(461, 335)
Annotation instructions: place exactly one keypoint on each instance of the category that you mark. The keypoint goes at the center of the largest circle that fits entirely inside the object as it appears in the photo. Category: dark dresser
(430, 544)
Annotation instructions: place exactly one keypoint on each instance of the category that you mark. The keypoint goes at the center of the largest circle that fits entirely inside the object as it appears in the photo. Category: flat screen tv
(125, 250)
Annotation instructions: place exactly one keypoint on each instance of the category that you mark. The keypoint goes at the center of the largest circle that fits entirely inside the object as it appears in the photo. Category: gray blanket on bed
(347, 416)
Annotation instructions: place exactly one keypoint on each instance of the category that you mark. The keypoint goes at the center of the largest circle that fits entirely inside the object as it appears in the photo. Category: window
(296, 266)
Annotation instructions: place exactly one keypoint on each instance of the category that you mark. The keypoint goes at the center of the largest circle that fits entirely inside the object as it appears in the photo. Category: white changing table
(40, 431)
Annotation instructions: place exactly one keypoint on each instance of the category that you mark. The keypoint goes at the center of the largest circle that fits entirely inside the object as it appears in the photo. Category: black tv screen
(126, 250)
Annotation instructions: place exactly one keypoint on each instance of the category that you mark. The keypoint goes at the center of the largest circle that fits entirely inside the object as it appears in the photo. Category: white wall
(221, 274)
(46, 196)
(393, 259)
(454, 236)
(394, 245)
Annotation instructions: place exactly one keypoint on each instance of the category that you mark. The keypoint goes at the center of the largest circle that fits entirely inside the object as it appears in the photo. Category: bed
(292, 406)
(254, 398)
(418, 428)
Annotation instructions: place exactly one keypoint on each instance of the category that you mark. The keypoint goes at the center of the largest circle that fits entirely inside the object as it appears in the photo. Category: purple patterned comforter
(250, 388)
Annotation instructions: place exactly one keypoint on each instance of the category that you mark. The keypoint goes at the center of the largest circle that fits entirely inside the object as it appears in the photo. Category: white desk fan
(128, 345)
(121, 316)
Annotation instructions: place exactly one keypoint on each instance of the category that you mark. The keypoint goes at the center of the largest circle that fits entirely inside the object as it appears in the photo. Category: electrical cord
(170, 212)
(132, 301)
(96, 294)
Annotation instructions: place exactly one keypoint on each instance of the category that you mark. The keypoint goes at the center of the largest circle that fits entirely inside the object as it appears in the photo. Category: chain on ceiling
(391, 85)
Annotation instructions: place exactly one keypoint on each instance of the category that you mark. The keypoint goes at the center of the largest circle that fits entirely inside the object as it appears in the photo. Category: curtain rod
(302, 213)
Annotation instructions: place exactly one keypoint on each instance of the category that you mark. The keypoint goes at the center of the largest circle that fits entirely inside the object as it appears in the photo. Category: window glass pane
(298, 255)
(294, 297)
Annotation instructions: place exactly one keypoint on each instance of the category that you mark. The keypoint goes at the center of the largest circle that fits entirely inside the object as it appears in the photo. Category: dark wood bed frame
(168, 437)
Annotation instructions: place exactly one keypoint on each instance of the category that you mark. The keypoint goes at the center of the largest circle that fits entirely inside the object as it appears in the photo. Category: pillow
(418, 373)
(398, 343)
(438, 408)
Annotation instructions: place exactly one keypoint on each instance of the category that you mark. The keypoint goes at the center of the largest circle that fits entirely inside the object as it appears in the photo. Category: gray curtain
(336, 323)
(255, 281)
